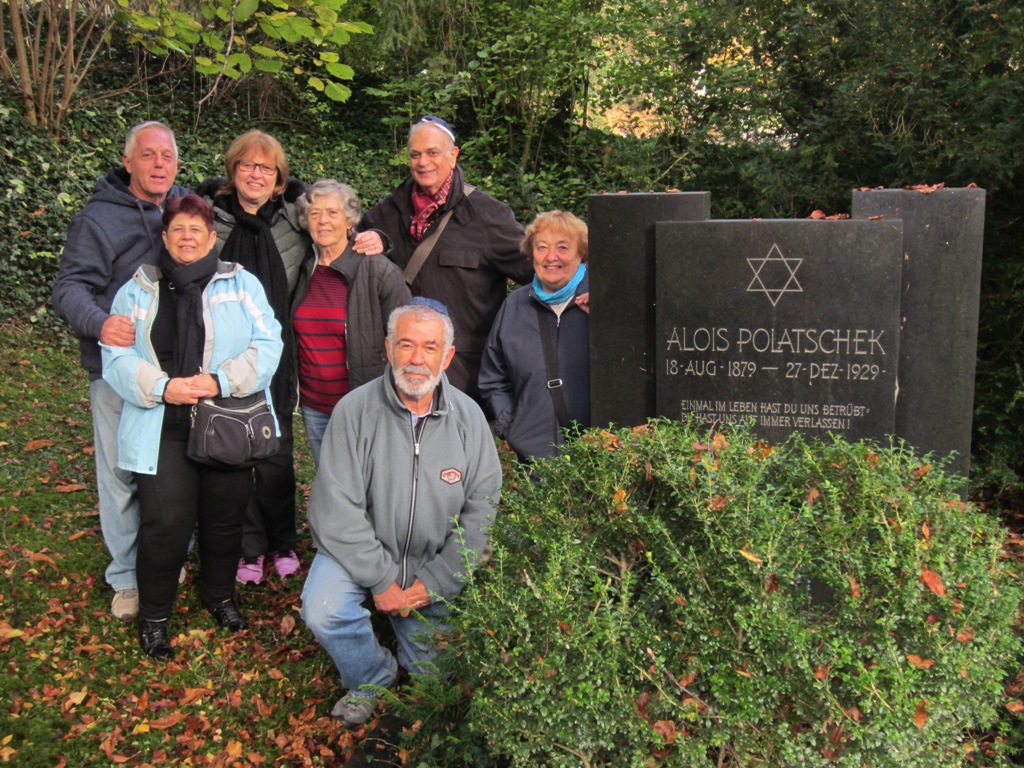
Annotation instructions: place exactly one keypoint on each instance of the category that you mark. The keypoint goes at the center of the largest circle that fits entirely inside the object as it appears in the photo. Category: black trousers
(180, 494)
(270, 518)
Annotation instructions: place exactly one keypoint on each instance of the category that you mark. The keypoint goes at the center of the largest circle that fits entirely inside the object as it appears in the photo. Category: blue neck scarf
(564, 293)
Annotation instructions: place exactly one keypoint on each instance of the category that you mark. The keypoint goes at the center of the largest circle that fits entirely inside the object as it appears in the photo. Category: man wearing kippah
(475, 251)
(403, 500)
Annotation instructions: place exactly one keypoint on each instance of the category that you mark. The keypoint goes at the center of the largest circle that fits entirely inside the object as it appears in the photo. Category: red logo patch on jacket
(451, 476)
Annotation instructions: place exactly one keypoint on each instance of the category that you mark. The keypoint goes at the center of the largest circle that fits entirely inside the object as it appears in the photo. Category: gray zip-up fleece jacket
(107, 241)
(392, 502)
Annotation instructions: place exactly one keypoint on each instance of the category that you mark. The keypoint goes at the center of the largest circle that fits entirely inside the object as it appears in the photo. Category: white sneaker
(125, 604)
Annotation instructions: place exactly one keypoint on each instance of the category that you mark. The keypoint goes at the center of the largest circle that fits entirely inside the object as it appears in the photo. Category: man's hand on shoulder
(118, 331)
(583, 302)
(368, 243)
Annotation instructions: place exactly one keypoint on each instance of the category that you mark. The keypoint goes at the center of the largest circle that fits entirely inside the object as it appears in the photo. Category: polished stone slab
(789, 325)
(943, 235)
(622, 290)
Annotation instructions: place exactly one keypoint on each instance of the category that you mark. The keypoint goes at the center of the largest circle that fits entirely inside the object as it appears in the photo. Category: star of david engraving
(774, 275)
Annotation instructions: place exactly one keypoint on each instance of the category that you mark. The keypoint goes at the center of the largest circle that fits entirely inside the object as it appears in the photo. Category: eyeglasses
(266, 170)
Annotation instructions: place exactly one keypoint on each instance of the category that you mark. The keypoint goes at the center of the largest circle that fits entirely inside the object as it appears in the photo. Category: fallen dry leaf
(921, 713)
(854, 586)
(933, 581)
(750, 556)
(287, 625)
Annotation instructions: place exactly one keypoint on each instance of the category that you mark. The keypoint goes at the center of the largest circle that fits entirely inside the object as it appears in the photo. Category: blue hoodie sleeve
(84, 275)
(127, 369)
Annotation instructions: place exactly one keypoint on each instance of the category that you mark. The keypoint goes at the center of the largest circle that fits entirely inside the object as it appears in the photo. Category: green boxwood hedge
(662, 596)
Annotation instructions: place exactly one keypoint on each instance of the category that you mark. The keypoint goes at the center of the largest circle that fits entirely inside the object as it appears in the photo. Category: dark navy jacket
(468, 269)
(107, 241)
(513, 374)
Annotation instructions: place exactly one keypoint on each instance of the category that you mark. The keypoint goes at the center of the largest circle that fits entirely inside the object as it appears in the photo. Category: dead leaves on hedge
(750, 555)
(921, 713)
(933, 581)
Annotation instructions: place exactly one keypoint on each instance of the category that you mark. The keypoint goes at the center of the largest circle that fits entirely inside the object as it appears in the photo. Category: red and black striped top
(319, 326)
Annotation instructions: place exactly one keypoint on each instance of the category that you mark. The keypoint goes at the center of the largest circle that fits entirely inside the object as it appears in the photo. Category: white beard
(412, 389)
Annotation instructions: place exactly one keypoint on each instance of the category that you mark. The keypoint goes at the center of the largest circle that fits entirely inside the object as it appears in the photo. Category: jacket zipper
(558, 336)
(417, 436)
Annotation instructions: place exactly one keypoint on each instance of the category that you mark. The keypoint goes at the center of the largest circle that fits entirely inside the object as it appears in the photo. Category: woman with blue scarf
(535, 374)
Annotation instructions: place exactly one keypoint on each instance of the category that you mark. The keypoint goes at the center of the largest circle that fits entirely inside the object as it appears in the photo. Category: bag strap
(554, 383)
(426, 247)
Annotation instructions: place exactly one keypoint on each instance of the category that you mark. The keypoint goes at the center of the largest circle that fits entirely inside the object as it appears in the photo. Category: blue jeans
(316, 427)
(115, 487)
(332, 607)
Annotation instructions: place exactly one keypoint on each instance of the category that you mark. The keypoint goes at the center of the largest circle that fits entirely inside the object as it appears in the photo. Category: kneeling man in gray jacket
(401, 506)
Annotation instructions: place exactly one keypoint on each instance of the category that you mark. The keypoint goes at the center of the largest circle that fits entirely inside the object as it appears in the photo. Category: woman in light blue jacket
(203, 328)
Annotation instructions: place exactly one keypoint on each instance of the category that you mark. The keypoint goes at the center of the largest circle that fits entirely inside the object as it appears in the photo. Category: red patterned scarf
(424, 205)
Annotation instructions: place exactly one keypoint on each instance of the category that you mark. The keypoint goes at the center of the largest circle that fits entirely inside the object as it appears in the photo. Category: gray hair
(350, 205)
(133, 135)
(449, 142)
(422, 312)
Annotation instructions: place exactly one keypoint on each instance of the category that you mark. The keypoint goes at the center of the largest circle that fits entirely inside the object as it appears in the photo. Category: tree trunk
(21, 54)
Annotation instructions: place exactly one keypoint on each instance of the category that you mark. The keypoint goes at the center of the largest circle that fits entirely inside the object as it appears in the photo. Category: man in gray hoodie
(118, 230)
(400, 509)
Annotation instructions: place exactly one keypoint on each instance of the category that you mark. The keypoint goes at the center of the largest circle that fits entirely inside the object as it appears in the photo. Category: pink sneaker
(250, 570)
(285, 563)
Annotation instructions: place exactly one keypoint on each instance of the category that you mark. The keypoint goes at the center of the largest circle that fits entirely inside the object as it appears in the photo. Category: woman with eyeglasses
(257, 226)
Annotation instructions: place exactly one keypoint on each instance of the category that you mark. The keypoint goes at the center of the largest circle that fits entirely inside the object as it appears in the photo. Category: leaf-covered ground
(76, 690)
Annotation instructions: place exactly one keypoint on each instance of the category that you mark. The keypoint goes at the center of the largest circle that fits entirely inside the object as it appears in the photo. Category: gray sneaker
(354, 710)
(125, 604)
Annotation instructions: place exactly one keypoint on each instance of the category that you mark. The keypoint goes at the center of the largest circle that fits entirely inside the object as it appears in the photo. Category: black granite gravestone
(793, 325)
(943, 232)
(622, 290)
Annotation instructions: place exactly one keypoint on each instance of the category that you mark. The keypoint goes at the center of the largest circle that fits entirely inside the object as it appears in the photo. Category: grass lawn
(76, 688)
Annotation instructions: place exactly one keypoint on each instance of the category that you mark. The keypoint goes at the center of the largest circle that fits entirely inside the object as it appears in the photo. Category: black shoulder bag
(230, 432)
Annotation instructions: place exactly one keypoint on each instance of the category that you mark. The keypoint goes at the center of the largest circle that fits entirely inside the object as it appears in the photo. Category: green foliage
(233, 38)
(777, 109)
(659, 596)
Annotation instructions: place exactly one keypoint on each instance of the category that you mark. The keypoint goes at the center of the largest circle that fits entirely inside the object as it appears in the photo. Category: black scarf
(251, 244)
(186, 283)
